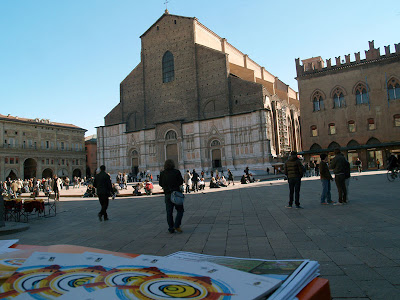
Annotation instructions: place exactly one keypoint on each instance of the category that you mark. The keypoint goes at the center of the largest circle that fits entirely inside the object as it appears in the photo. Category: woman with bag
(171, 181)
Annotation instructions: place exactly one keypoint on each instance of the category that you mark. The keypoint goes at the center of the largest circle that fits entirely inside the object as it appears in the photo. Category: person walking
(102, 183)
(339, 165)
(170, 181)
(294, 172)
(188, 181)
(195, 181)
(326, 178)
(378, 163)
(56, 187)
(359, 165)
(230, 177)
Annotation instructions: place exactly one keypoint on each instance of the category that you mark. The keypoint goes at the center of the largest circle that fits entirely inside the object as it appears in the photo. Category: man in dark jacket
(195, 180)
(326, 178)
(339, 164)
(102, 183)
(171, 180)
(294, 172)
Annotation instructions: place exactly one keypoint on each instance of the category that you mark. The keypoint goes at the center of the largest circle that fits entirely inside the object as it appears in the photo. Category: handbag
(177, 198)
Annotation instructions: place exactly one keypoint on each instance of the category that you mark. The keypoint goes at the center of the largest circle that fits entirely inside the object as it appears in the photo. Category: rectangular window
(47, 161)
(6, 160)
(62, 162)
(352, 127)
(11, 160)
(332, 129)
(62, 145)
(397, 120)
(371, 124)
(16, 160)
(47, 144)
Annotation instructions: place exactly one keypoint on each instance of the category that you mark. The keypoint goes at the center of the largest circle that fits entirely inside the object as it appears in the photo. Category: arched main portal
(171, 148)
(47, 173)
(216, 154)
(30, 166)
(12, 175)
(77, 173)
(172, 153)
(135, 162)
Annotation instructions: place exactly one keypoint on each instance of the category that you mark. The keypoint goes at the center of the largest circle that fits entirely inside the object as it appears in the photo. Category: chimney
(338, 61)
(347, 57)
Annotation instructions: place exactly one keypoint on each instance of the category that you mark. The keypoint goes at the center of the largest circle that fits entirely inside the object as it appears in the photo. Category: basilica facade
(198, 100)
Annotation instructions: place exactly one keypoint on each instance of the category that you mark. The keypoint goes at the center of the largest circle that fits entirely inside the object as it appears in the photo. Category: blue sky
(64, 60)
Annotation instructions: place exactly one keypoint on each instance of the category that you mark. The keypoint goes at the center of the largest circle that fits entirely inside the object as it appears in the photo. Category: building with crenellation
(198, 100)
(353, 105)
(91, 155)
(40, 148)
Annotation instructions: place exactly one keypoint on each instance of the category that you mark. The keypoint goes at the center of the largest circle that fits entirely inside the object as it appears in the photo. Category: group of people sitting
(147, 185)
(217, 182)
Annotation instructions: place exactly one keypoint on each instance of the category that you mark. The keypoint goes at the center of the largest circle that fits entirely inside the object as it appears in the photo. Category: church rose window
(168, 67)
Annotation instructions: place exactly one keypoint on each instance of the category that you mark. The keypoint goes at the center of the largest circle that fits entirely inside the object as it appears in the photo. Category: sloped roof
(38, 121)
(165, 14)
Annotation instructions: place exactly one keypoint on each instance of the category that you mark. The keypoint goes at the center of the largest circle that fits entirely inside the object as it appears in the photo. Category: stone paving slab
(357, 245)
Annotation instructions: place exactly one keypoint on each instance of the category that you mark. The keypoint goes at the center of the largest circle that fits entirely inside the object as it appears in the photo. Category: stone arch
(77, 173)
(336, 89)
(134, 158)
(12, 174)
(63, 173)
(162, 131)
(353, 143)
(30, 168)
(315, 93)
(333, 146)
(171, 135)
(47, 173)
(209, 109)
(356, 86)
(373, 141)
(315, 147)
(216, 153)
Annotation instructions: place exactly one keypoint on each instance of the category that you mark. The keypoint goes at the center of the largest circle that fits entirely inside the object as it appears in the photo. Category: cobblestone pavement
(357, 245)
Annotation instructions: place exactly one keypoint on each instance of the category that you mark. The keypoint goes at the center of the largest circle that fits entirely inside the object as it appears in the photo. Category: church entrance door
(216, 158)
(172, 153)
(29, 168)
(135, 165)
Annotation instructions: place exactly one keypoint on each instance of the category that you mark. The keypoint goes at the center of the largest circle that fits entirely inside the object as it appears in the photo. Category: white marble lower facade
(230, 142)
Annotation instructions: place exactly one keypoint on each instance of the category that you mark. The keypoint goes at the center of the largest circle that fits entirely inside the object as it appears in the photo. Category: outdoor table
(317, 289)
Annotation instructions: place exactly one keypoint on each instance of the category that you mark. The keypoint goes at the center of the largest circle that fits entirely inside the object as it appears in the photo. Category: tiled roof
(38, 121)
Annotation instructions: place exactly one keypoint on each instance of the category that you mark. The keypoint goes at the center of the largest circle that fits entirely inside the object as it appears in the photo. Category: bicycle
(393, 174)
